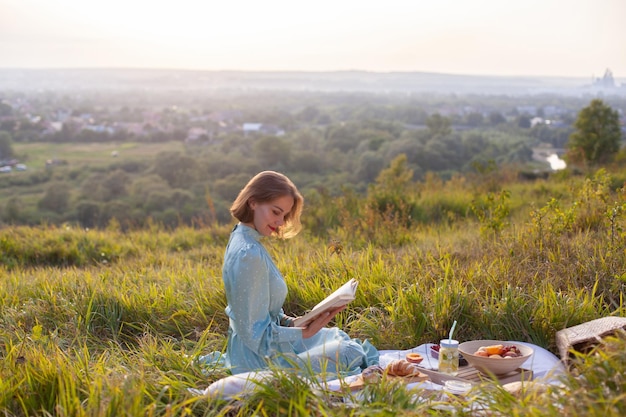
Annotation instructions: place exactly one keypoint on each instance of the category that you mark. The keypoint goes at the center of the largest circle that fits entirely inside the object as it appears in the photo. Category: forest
(87, 157)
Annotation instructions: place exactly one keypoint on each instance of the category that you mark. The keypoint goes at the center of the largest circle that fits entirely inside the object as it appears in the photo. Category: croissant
(401, 367)
(372, 373)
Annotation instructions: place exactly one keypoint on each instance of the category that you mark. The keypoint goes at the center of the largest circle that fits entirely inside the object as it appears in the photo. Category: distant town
(37, 116)
(338, 81)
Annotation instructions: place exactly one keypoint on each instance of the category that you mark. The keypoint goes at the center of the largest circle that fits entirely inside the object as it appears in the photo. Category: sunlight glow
(453, 36)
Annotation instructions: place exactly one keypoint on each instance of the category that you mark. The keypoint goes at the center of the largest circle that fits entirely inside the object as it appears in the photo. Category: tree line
(331, 144)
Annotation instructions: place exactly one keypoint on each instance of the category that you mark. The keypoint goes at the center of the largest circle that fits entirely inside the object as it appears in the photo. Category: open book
(342, 296)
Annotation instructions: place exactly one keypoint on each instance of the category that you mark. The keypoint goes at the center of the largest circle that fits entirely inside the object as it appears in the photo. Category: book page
(342, 296)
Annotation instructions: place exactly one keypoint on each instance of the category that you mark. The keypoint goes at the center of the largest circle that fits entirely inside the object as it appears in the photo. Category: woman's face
(269, 216)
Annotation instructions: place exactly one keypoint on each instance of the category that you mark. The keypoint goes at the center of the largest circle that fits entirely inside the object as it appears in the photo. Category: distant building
(606, 81)
(528, 110)
(552, 111)
(224, 116)
(536, 121)
(251, 128)
(260, 128)
(196, 133)
(52, 127)
(132, 128)
(100, 129)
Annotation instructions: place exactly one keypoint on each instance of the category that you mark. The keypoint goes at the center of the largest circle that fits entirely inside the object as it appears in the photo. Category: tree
(88, 213)
(180, 171)
(56, 198)
(13, 210)
(369, 166)
(343, 137)
(524, 121)
(597, 134)
(6, 149)
(115, 210)
(309, 114)
(475, 119)
(5, 109)
(439, 125)
(389, 193)
(114, 185)
(308, 161)
(272, 150)
(496, 118)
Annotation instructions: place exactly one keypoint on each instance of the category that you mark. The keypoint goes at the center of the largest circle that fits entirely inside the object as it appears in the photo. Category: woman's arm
(249, 301)
(313, 327)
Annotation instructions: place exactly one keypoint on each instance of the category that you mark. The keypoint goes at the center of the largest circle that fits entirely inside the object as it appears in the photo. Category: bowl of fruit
(495, 356)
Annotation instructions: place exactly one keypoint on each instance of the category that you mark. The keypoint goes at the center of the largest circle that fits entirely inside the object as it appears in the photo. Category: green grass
(107, 322)
(91, 154)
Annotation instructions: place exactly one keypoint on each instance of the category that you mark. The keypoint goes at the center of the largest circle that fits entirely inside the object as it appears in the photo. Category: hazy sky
(579, 38)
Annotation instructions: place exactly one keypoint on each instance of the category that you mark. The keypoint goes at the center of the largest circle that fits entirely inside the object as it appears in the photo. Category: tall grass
(108, 322)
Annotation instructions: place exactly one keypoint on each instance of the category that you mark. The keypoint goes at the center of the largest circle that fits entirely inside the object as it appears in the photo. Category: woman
(260, 334)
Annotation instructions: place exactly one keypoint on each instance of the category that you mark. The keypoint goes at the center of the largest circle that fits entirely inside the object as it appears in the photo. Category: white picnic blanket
(545, 366)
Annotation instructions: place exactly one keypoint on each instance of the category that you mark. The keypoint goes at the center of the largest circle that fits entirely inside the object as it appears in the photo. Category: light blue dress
(259, 332)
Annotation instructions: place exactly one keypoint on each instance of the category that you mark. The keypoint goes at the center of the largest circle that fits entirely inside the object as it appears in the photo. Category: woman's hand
(313, 327)
(287, 321)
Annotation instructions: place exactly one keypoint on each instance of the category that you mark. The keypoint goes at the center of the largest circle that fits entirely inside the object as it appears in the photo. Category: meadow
(107, 322)
(91, 154)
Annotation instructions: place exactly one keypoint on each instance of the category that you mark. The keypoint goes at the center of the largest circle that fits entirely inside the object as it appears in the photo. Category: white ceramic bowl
(495, 366)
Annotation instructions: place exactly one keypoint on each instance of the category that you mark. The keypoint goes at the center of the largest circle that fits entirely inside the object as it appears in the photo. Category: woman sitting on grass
(260, 334)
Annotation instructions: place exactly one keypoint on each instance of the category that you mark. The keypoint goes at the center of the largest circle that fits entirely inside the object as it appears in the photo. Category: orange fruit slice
(494, 349)
(414, 357)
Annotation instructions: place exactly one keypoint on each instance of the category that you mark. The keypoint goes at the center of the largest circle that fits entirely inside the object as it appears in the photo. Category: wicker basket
(585, 336)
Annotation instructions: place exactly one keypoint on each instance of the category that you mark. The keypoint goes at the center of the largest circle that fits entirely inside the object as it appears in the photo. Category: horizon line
(131, 68)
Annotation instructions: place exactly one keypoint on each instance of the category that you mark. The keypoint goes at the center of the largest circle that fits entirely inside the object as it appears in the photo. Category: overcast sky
(573, 38)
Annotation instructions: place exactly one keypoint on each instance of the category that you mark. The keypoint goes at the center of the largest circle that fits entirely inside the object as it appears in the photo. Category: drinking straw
(451, 331)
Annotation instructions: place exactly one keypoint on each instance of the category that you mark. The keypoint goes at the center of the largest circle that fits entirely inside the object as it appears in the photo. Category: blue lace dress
(259, 332)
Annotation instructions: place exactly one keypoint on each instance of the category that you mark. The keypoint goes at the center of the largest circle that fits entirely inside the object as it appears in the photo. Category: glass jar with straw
(449, 354)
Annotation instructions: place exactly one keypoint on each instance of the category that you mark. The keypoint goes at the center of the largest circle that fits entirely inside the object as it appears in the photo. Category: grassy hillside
(107, 322)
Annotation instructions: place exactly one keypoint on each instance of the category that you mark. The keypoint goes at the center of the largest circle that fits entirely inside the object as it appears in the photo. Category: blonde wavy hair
(264, 187)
